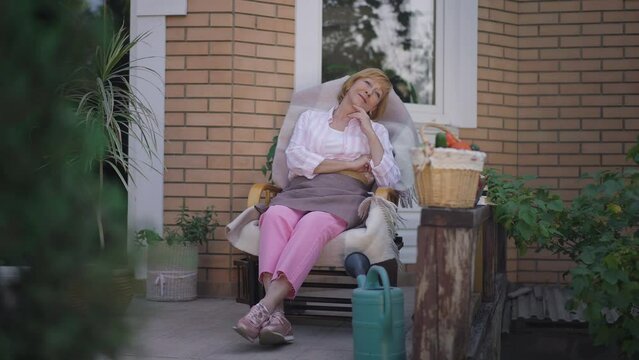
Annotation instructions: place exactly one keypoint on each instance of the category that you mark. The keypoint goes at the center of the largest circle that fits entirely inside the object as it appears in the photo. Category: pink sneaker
(277, 330)
(250, 325)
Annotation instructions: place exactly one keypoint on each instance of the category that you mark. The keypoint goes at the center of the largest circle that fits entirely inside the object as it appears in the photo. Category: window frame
(455, 59)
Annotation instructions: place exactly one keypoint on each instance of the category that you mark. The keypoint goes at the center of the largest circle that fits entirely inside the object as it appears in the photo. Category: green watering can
(378, 317)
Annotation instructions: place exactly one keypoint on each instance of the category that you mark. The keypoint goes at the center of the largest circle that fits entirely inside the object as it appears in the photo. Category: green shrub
(599, 231)
(62, 307)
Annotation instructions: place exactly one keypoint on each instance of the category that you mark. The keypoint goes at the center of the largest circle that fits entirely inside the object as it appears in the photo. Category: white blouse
(314, 140)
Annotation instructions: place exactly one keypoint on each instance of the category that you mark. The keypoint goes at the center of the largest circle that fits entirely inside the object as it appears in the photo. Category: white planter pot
(172, 272)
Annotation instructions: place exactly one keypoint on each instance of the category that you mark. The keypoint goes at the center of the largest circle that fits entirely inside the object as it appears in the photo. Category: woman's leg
(276, 227)
(308, 238)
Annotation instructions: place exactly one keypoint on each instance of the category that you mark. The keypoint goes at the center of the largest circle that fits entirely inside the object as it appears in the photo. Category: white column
(146, 178)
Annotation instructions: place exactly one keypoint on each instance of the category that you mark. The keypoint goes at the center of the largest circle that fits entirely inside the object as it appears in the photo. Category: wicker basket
(172, 273)
(450, 177)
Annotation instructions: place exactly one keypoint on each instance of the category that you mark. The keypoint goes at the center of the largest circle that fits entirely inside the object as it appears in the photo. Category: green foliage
(106, 100)
(63, 306)
(267, 169)
(529, 215)
(598, 231)
(193, 229)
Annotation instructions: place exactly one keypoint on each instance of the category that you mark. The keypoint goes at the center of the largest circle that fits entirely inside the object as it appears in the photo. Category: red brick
(250, 148)
(208, 147)
(219, 105)
(186, 105)
(245, 49)
(276, 24)
(242, 105)
(218, 162)
(253, 64)
(556, 171)
(620, 88)
(218, 190)
(209, 62)
(602, 53)
(580, 112)
(580, 41)
(621, 64)
(580, 17)
(580, 159)
(253, 120)
(255, 36)
(175, 62)
(285, 67)
(186, 77)
(559, 124)
(559, 100)
(209, 34)
(208, 119)
(221, 20)
(173, 147)
(619, 136)
(184, 161)
(559, 148)
(602, 76)
(185, 133)
(569, 53)
(210, 6)
(578, 136)
(580, 65)
(543, 18)
(219, 134)
(580, 89)
(174, 91)
(555, 265)
(602, 29)
(253, 92)
(620, 40)
(187, 48)
(178, 189)
(255, 8)
(275, 80)
(208, 176)
(602, 5)
(190, 19)
(591, 124)
(559, 6)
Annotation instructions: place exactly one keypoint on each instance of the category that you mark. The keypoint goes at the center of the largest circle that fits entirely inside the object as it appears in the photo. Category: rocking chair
(377, 242)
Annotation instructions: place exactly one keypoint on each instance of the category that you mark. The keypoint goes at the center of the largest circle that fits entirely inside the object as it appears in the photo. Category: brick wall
(558, 97)
(229, 78)
(558, 94)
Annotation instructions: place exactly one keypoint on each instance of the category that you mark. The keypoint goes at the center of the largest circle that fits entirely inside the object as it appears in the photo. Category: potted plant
(109, 107)
(173, 259)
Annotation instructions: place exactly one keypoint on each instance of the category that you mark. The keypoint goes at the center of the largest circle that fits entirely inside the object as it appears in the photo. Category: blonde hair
(375, 74)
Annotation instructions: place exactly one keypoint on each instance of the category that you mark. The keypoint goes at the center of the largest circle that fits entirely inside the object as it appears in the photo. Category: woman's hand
(365, 122)
(361, 164)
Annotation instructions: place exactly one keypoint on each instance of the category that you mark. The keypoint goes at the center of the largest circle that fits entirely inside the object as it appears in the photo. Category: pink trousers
(291, 242)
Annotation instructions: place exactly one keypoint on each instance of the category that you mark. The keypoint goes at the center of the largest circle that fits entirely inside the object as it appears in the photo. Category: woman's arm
(331, 166)
(300, 160)
(382, 164)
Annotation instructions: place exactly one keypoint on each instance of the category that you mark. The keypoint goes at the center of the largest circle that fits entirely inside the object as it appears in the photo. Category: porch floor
(201, 329)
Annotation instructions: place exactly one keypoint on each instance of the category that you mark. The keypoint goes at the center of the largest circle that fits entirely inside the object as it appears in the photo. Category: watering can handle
(372, 281)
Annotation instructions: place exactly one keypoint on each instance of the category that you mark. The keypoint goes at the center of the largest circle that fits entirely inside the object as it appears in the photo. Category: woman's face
(365, 93)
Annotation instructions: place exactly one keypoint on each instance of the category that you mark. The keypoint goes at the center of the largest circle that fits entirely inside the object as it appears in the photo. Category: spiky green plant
(109, 101)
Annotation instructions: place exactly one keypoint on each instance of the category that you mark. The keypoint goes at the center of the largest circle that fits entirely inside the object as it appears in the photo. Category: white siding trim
(160, 7)
(146, 186)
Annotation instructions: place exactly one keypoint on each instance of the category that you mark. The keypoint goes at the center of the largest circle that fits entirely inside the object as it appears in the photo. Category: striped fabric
(314, 140)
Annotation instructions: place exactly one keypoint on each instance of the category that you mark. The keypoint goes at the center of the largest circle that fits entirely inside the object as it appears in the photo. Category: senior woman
(333, 158)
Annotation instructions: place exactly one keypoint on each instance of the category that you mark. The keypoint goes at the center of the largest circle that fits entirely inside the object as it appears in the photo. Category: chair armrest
(255, 194)
(389, 194)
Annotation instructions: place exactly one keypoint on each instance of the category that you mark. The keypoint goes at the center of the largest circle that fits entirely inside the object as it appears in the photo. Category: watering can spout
(356, 264)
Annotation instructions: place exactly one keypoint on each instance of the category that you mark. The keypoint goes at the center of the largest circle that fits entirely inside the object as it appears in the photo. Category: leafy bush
(193, 229)
(47, 193)
(599, 231)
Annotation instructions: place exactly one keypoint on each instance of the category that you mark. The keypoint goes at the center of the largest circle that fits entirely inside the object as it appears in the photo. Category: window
(428, 48)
